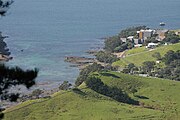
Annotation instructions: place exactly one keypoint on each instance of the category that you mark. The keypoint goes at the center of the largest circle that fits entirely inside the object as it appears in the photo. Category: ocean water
(49, 30)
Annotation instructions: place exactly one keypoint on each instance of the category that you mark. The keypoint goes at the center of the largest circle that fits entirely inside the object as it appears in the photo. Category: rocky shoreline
(82, 62)
(79, 62)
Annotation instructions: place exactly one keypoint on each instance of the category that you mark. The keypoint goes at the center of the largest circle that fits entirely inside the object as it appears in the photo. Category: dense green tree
(130, 68)
(132, 31)
(171, 71)
(171, 37)
(148, 66)
(121, 48)
(126, 70)
(110, 68)
(106, 57)
(84, 73)
(157, 55)
(130, 44)
(96, 84)
(111, 43)
(169, 57)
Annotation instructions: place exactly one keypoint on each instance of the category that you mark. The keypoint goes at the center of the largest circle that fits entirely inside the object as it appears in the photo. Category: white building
(130, 38)
(151, 45)
(123, 39)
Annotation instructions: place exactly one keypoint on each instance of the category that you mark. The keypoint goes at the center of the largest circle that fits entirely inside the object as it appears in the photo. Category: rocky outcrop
(79, 61)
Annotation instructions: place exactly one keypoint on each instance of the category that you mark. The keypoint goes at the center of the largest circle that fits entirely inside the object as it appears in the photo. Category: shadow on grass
(78, 91)
(141, 97)
(109, 74)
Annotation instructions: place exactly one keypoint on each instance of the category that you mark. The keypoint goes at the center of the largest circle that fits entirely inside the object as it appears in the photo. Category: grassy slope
(139, 55)
(162, 95)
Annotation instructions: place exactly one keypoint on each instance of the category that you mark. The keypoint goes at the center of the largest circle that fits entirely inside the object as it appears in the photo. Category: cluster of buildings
(143, 35)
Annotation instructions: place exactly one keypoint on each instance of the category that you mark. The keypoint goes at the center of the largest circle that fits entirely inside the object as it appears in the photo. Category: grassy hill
(159, 100)
(140, 55)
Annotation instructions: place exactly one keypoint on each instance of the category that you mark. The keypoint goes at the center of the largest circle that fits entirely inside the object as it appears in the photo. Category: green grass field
(140, 55)
(159, 100)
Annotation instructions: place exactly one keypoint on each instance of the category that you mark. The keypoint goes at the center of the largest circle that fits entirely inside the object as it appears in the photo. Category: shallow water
(47, 31)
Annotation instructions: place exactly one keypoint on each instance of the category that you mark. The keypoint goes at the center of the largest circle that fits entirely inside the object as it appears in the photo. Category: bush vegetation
(131, 31)
(106, 57)
(172, 69)
(171, 37)
(84, 73)
(157, 55)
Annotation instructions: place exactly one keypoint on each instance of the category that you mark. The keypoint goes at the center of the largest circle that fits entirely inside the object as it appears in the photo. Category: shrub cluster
(106, 57)
(84, 73)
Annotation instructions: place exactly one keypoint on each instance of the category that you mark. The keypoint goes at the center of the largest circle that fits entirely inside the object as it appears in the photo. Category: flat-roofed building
(144, 34)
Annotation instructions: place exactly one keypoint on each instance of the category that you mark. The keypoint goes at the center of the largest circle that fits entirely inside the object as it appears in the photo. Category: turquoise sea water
(49, 30)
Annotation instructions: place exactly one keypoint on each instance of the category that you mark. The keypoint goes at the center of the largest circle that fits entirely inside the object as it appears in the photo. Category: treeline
(171, 37)
(131, 31)
(114, 44)
(85, 72)
(172, 69)
(106, 57)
